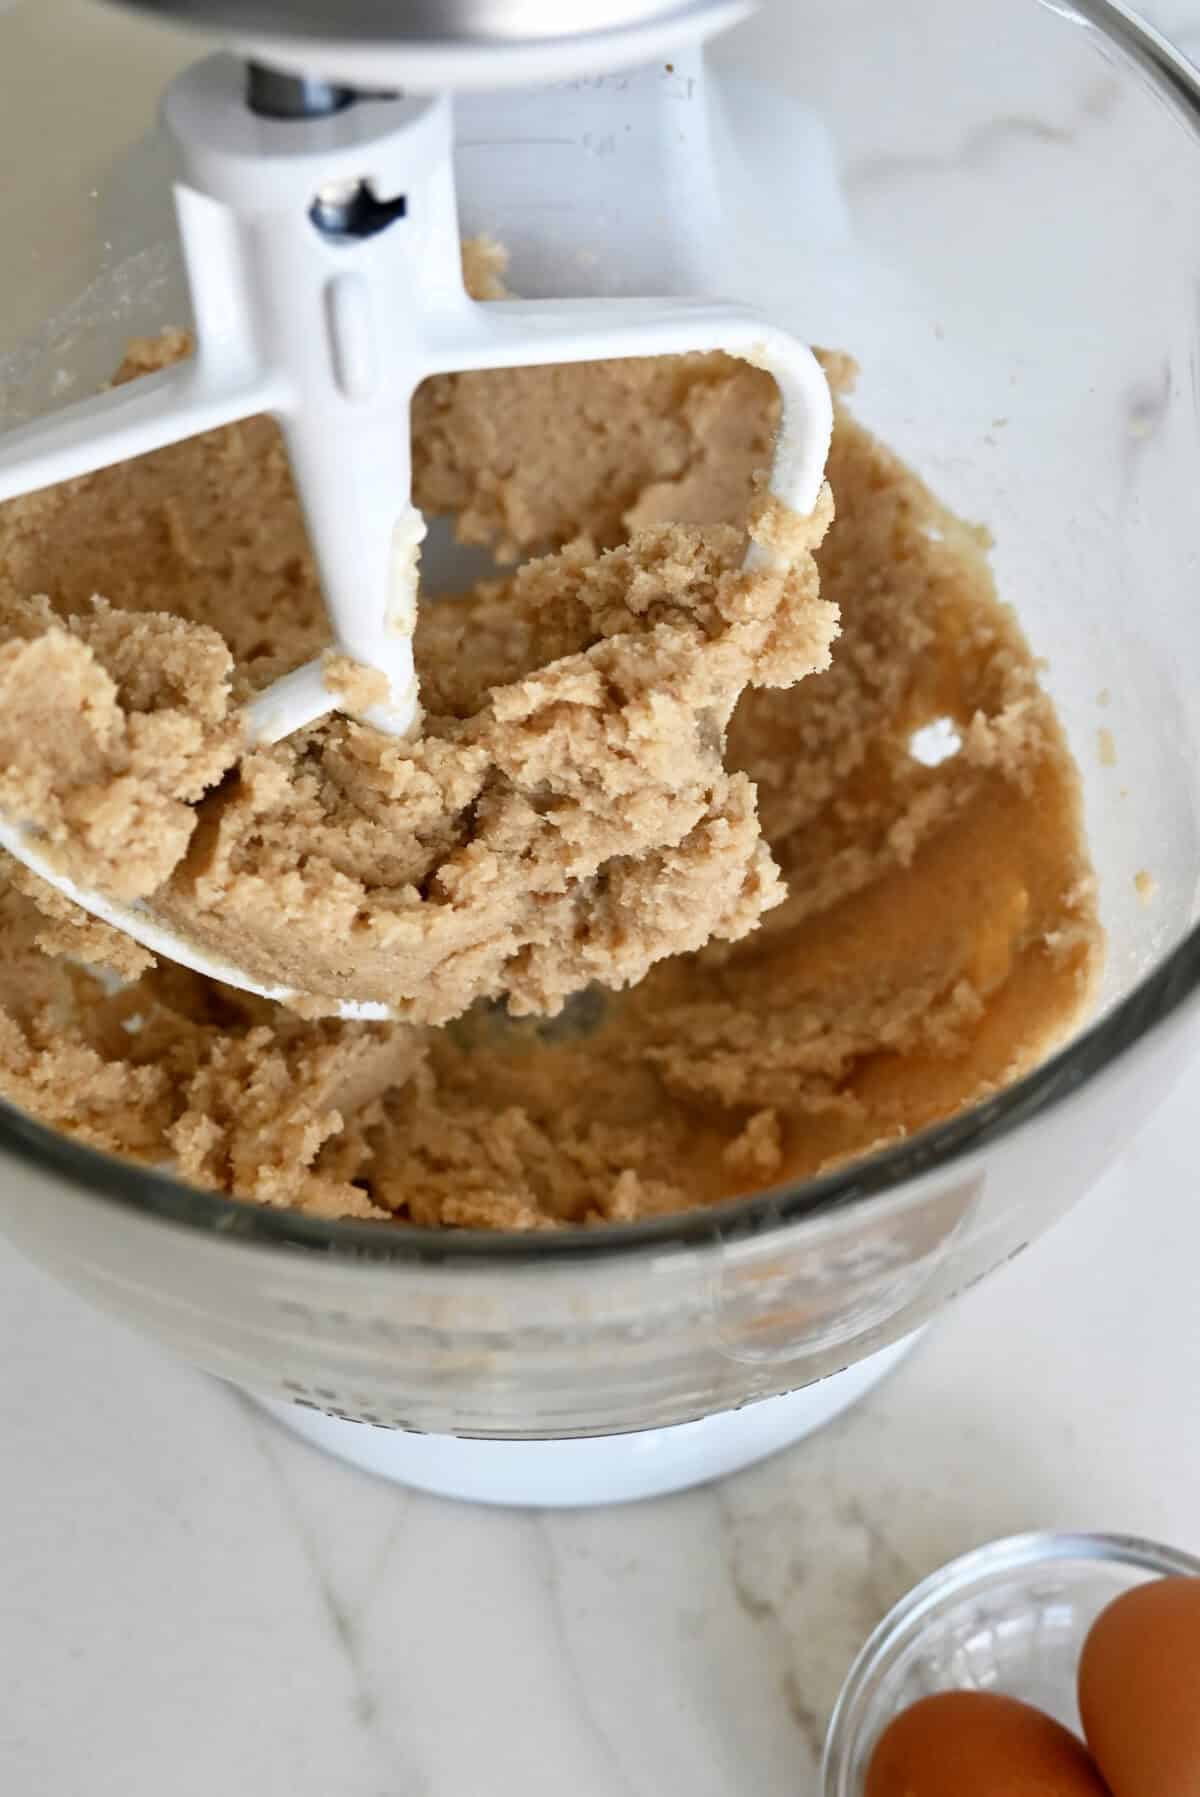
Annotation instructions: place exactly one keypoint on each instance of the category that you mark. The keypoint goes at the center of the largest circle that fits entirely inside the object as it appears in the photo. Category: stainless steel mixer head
(460, 44)
(331, 330)
(446, 22)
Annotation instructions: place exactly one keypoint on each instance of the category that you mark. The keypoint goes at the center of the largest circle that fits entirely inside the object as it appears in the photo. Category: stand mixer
(321, 239)
(1003, 294)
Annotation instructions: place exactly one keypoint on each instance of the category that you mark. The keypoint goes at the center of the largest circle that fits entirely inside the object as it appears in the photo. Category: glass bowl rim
(953, 1581)
(1156, 998)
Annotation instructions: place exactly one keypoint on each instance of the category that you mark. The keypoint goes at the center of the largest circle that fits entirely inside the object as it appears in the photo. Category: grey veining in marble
(194, 1601)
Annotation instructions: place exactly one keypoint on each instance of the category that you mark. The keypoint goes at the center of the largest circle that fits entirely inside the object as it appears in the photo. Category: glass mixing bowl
(994, 207)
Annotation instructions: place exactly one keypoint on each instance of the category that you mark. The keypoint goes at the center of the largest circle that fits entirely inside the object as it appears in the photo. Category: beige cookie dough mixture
(563, 814)
(793, 932)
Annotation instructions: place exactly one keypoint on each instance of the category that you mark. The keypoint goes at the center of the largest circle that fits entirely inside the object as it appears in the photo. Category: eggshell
(1139, 1690)
(977, 1744)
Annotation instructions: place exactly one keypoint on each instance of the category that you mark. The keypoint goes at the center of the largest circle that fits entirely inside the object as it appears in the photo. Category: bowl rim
(1162, 993)
(954, 1581)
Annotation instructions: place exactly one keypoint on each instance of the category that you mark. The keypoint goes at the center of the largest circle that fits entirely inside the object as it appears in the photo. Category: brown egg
(975, 1744)
(1139, 1690)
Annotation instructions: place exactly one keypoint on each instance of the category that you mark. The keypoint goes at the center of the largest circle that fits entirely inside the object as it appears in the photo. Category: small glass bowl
(1011, 1617)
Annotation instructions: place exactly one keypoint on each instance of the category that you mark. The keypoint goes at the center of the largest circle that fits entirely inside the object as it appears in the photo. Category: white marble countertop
(193, 1602)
